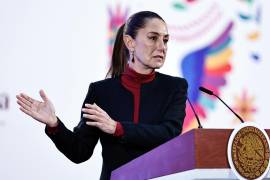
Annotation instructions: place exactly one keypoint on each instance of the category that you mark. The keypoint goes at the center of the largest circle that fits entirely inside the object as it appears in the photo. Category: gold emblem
(250, 152)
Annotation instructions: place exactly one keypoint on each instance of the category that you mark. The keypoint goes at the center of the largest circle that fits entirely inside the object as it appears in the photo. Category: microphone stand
(242, 121)
(209, 92)
(199, 123)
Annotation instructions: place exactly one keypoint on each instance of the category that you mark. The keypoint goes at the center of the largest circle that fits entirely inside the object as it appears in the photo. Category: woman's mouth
(159, 57)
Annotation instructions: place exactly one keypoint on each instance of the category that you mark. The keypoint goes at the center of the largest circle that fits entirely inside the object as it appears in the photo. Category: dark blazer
(161, 116)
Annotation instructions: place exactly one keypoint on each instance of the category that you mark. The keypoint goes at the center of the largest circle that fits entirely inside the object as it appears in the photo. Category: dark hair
(120, 53)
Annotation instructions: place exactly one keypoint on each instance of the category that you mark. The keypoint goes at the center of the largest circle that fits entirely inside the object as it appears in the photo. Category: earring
(132, 56)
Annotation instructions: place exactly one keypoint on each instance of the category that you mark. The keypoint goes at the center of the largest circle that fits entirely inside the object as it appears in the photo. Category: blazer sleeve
(148, 135)
(78, 146)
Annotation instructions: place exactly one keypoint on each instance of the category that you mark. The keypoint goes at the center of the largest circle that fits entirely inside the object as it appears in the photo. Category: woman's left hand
(99, 118)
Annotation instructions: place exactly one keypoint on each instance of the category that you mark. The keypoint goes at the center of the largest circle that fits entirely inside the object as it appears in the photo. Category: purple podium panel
(176, 155)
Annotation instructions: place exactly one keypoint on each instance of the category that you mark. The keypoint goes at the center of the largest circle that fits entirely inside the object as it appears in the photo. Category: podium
(197, 154)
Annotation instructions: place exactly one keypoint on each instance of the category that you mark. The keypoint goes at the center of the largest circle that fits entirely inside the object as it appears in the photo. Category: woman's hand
(41, 111)
(99, 118)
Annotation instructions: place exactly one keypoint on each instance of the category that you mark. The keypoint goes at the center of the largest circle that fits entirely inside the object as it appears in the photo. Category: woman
(132, 112)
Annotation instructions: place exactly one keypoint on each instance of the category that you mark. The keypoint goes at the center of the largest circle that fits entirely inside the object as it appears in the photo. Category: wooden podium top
(211, 148)
(196, 149)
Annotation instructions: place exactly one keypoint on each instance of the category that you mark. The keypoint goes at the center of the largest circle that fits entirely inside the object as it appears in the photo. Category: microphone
(207, 91)
(198, 120)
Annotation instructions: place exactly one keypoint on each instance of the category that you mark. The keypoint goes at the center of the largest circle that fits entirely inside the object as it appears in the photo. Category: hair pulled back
(120, 52)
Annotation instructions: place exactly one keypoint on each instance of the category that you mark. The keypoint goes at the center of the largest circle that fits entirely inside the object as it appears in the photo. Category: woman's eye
(153, 38)
(165, 41)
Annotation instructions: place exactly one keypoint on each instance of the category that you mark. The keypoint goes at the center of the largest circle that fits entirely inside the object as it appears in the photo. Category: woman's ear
(129, 42)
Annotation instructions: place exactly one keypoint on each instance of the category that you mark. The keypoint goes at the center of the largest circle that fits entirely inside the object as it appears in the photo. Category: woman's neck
(132, 78)
(140, 69)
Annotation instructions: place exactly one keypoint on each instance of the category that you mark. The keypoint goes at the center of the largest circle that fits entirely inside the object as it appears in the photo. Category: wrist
(114, 127)
(54, 123)
(119, 130)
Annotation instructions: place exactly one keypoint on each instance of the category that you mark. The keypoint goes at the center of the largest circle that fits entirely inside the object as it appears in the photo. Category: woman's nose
(161, 45)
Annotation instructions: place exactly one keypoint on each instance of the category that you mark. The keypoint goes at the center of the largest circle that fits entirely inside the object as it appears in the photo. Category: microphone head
(207, 91)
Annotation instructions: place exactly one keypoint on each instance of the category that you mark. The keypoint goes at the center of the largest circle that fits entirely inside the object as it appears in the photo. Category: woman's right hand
(43, 112)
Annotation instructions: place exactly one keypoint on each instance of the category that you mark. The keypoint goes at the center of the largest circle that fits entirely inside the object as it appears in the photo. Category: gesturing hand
(41, 111)
(99, 118)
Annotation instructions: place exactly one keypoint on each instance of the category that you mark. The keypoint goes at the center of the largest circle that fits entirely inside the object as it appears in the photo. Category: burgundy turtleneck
(132, 81)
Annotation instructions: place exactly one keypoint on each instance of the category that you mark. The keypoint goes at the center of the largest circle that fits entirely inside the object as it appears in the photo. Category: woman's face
(150, 46)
